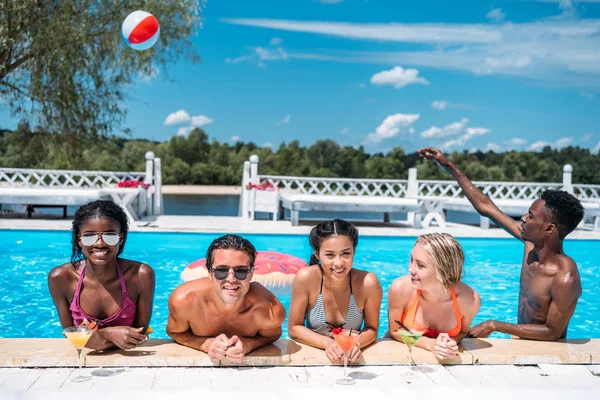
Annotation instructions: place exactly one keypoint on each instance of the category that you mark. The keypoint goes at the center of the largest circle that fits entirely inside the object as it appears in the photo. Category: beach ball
(140, 30)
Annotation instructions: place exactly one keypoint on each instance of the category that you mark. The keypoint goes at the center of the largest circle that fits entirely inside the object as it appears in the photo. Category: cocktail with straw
(78, 336)
(410, 338)
(346, 340)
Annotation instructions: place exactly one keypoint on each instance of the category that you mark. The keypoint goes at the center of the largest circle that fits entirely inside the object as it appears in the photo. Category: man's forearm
(528, 331)
(253, 343)
(190, 340)
(472, 192)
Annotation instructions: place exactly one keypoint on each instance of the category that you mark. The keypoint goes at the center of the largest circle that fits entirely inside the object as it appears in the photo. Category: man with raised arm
(224, 314)
(550, 284)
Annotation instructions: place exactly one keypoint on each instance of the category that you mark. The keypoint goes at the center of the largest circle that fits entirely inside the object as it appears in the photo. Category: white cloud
(493, 147)
(398, 77)
(560, 52)
(514, 142)
(563, 142)
(463, 139)
(285, 120)
(440, 104)
(391, 127)
(596, 149)
(259, 55)
(178, 117)
(344, 131)
(201, 120)
(496, 15)
(411, 131)
(235, 139)
(184, 130)
(560, 143)
(449, 130)
(444, 105)
(587, 137)
(268, 144)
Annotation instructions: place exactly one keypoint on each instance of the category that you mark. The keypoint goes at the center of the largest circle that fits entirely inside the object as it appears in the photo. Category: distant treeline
(196, 160)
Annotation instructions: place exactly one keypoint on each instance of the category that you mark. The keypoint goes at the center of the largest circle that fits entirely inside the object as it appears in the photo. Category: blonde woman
(432, 298)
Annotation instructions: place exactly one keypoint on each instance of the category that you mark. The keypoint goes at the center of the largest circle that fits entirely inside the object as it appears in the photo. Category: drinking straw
(402, 325)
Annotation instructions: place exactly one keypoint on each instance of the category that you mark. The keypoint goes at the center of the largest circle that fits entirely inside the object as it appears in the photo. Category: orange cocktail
(346, 340)
(78, 336)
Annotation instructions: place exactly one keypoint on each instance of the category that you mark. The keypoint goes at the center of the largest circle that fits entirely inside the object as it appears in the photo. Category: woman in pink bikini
(431, 298)
(99, 286)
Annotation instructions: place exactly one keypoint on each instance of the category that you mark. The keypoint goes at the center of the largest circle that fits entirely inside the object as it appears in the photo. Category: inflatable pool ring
(271, 269)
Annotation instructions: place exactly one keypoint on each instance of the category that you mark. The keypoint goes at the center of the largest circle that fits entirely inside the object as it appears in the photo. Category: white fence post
(149, 170)
(254, 180)
(245, 192)
(412, 191)
(254, 169)
(568, 178)
(158, 199)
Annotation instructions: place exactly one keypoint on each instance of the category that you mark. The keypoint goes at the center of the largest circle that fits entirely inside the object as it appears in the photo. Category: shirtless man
(224, 314)
(550, 284)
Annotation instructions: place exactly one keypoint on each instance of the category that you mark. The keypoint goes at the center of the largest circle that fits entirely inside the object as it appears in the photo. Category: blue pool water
(492, 268)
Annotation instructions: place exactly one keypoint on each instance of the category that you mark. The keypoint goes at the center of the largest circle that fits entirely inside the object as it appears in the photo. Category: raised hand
(430, 153)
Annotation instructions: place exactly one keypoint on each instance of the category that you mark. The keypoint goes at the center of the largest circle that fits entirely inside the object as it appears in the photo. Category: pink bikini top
(124, 316)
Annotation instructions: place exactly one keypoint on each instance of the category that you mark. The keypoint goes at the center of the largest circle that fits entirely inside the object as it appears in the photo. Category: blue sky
(383, 73)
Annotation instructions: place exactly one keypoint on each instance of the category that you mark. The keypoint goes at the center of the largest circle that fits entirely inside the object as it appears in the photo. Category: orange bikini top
(408, 318)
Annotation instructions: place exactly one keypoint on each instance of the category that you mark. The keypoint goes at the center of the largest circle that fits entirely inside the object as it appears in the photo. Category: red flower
(337, 331)
(133, 184)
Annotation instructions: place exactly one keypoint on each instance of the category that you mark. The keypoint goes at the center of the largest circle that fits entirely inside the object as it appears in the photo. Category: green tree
(65, 63)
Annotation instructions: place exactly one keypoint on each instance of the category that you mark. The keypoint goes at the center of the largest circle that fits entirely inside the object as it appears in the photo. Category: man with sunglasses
(225, 315)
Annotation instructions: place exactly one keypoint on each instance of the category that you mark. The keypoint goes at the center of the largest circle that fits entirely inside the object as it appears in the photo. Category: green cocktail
(410, 338)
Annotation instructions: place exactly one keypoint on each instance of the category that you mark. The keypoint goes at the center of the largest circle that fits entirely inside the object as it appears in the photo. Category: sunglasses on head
(110, 238)
(240, 273)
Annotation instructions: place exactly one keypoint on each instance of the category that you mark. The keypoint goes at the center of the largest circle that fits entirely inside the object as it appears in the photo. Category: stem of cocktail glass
(79, 358)
(346, 365)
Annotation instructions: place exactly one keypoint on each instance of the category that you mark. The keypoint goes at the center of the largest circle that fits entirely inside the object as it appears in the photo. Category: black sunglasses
(240, 273)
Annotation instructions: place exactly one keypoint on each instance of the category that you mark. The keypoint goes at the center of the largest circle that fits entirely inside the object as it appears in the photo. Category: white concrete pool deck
(446, 382)
(186, 223)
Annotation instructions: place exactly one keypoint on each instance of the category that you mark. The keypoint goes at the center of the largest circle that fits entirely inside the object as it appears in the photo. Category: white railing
(411, 187)
(495, 190)
(53, 179)
(49, 178)
(339, 186)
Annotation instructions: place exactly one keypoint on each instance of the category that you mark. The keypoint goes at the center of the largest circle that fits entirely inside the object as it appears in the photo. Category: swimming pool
(492, 268)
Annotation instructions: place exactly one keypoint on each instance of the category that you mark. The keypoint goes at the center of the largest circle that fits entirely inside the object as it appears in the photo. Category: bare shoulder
(136, 268)
(62, 274)
(190, 292)
(307, 276)
(367, 280)
(467, 297)
(401, 287)
(269, 309)
(567, 278)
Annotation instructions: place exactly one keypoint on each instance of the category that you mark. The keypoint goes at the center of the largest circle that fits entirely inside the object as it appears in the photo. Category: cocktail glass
(410, 338)
(346, 340)
(78, 336)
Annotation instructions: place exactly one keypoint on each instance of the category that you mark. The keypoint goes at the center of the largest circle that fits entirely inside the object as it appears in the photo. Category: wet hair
(447, 257)
(97, 209)
(328, 229)
(230, 242)
(566, 211)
